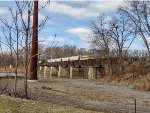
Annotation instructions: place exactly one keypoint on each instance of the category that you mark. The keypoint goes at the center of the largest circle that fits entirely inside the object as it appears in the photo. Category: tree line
(115, 35)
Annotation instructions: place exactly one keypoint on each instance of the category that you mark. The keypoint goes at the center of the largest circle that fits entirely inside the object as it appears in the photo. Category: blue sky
(69, 20)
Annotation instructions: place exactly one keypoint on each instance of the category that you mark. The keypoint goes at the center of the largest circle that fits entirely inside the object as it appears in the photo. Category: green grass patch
(16, 105)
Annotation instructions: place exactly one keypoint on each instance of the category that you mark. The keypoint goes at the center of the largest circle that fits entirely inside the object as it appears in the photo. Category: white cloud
(3, 10)
(83, 34)
(91, 9)
(74, 12)
(80, 31)
(104, 6)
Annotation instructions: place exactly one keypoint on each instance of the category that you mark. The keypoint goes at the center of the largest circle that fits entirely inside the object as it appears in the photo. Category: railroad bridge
(88, 68)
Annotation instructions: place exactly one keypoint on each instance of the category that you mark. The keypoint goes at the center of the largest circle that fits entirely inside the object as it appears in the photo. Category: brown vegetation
(145, 86)
(7, 69)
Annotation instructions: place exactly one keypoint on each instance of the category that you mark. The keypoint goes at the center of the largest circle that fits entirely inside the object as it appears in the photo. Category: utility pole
(34, 48)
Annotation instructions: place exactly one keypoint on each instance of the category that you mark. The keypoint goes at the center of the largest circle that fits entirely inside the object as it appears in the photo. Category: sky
(69, 20)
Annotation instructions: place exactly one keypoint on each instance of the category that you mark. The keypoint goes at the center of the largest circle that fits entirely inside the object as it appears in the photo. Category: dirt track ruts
(97, 105)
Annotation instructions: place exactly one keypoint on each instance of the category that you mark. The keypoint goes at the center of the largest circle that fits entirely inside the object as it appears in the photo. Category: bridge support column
(45, 69)
(50, 72)
(91, 73)
(39, 72)
(70, 73)
(59, 71)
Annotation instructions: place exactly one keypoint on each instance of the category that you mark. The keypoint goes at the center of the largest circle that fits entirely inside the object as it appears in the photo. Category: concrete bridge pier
(39, 72)
(45, 69)
(91, 73)
(71, 72)
(50, 71)
(59, 71)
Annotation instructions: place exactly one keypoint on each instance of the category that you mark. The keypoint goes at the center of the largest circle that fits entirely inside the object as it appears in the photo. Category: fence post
(135, 105)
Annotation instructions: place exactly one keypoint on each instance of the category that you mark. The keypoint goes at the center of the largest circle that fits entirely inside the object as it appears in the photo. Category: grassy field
(16, 105)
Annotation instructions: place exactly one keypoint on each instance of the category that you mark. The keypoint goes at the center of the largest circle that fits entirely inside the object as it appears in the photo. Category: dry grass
(137, 69)
(144, 85)
(15, 105)
(11, 70)
(134, 75)
(67, 90)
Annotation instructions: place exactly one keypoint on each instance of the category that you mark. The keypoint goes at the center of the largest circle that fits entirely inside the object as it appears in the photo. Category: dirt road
(92, 95)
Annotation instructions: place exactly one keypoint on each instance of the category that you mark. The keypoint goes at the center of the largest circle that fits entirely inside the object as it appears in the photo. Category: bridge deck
(90, 62)
(76, 63)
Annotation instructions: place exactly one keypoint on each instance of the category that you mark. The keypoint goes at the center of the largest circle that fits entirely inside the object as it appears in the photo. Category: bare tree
(21, 28)
(7, 32)
(26, 24)
(138, 14)
(117, 34)
(120, 32)
(101, 38)
(15, 28)
(112, 36)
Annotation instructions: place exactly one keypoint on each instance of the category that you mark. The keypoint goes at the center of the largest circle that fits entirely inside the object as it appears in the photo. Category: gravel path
(97, 105)
(10, 74)
(106, 107)
(104, 87)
